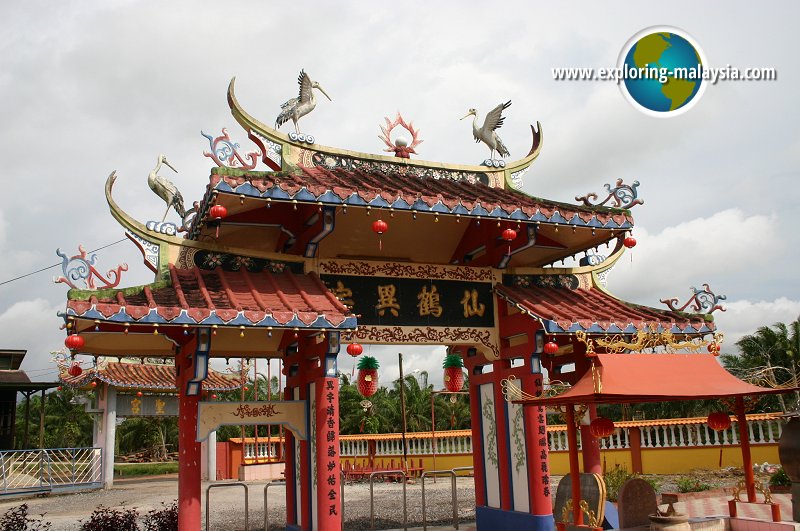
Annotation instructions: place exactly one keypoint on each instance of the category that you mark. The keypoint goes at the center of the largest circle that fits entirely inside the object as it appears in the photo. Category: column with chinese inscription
(538, 452)
(328, 472)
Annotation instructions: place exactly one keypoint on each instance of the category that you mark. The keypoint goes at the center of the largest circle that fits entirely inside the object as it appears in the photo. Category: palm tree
(770, 357)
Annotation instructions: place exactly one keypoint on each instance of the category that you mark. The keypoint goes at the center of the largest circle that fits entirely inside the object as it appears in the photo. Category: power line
(56, 265)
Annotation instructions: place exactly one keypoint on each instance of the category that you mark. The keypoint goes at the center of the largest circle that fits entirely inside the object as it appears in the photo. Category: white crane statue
(296, 108)
(491, 123)
(164, 188)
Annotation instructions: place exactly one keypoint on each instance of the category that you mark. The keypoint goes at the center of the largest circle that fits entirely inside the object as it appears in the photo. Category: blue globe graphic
(666, 52)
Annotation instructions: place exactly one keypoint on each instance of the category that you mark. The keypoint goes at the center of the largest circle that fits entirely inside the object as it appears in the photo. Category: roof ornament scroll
(648, 339)
(225, 152)
(81, 267)
(702, 300)
(623, 195)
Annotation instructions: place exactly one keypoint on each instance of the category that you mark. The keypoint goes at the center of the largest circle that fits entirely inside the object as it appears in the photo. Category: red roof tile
(221, 297)
(145, 376)
(592, 310)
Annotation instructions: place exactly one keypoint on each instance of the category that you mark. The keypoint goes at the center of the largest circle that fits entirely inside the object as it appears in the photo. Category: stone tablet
(593, 491)
(637, 501)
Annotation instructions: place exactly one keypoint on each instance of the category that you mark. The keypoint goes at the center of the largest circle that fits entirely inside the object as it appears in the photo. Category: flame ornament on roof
(225, 153)
(400, 146)
(702, 301)
(624, 195)
(79, 267)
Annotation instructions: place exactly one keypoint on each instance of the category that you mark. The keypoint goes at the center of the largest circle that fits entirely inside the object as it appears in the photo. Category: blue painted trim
(490, 519)
(328, 223)
(195, 385)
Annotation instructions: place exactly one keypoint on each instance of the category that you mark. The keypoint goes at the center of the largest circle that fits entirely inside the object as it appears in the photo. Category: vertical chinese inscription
(331, 440)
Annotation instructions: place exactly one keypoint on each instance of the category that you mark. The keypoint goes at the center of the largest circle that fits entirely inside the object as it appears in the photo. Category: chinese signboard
(211, 415)
(414, 302)
(147, 406)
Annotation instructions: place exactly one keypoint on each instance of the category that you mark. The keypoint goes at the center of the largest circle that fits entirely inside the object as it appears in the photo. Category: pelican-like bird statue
(491, 123)
(164, 188)
(296, 108)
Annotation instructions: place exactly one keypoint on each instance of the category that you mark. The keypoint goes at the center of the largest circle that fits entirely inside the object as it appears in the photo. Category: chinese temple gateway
(297, 250)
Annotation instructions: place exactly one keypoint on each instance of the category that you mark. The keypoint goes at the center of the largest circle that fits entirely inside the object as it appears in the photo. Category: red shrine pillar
(510, 445)
(590, 446)
(313, 470)
(189, 458)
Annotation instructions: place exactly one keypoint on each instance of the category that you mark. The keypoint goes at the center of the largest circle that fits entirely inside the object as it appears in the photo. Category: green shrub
(145, 469)
(689, 484)
(780, 478)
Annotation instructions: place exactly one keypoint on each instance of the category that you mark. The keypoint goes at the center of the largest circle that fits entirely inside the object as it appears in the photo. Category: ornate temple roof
(391, 188)
(145, 376)
(217, 297)
(565, 310)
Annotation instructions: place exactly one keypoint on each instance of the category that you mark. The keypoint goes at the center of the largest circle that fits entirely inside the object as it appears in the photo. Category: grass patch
(122, 470)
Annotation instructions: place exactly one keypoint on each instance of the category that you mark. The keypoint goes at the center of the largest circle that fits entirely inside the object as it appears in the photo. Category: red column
(329, 503)
(747, 460)
(189, 458)
(479, 473)
(574, 471)
(635, 439)
(538, 454)
(590, 446)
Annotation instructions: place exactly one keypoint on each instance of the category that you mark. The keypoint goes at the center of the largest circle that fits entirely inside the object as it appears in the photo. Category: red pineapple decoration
(453, 375)
(368, 376)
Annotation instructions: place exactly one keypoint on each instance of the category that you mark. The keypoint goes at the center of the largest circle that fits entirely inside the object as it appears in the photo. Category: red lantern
(354, 349)
(213, 397)
(218, 212)
(59, 388)
(629, 242)
(551, 347)
(74, 342)
(246, 388)
(379, 227)
(94, 384)
(75, 369)
(509, 235)
(601, 427)
(719, 421)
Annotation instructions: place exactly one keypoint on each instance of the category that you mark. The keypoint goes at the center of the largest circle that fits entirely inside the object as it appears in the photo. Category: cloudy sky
(91, 87)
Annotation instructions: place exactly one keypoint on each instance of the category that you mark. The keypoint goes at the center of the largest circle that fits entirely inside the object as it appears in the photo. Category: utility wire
(56, 265)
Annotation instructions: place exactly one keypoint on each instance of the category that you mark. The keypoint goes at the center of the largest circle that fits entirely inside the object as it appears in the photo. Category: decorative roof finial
(400, 146)
(486, 133)
(702, 301)
(296, 108)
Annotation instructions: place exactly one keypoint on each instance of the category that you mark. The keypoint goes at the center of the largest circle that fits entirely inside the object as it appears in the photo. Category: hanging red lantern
(74, 342)
(379, 227)
(719, 421)
(354, 349)
(75, 369)
(59, 388)
(218, 212)
(551, 347)
(629, 242)
(213, 397)
(453, 373)
(509, 235)
(368, 376)
(94, 384)
(138, 393)
(601, 427)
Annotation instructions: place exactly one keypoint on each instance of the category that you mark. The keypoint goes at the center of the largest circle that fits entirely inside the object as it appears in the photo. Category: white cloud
(744, 317)
(32, 325)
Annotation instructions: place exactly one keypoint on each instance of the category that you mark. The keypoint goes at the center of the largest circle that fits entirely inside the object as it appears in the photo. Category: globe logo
(662, 71)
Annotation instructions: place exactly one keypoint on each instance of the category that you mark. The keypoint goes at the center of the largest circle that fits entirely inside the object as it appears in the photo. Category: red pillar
(590, 446)
(574, 471)
(747, 460)
(538, 453)
(329, 503)
(635, 439)
(189, 458)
